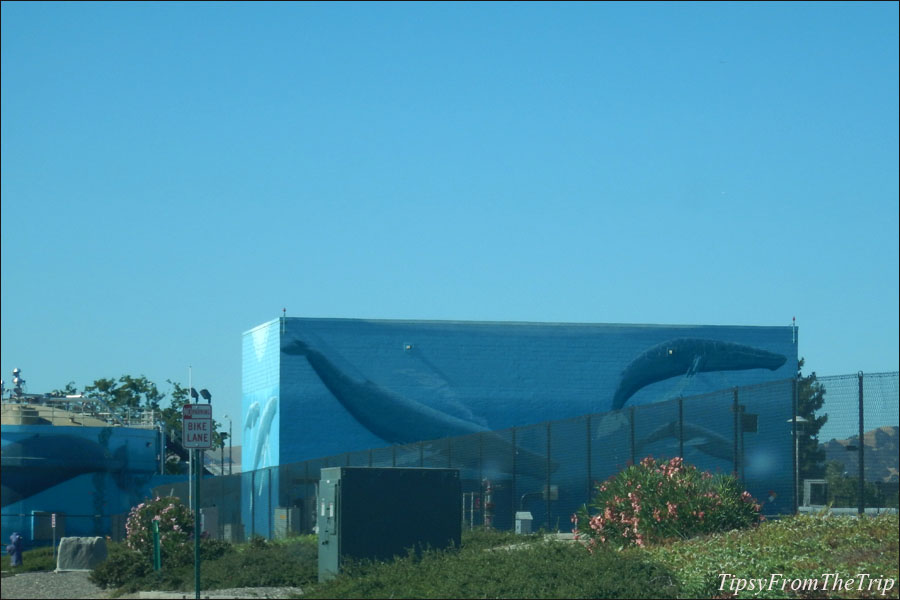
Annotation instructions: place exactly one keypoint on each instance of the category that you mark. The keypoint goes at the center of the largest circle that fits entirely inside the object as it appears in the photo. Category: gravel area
(75, 584)
(47, 584)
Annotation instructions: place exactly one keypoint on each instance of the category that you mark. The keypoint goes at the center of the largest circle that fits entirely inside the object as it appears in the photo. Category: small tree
(810, 398)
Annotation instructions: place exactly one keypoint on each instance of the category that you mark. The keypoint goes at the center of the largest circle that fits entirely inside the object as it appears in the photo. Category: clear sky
(174, 174)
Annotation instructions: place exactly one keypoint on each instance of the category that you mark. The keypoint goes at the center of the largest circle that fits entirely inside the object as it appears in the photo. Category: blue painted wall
(76, 471)
(261, 407)
(320, 387)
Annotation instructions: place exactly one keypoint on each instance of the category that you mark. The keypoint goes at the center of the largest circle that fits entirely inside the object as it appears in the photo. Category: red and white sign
(197, 426)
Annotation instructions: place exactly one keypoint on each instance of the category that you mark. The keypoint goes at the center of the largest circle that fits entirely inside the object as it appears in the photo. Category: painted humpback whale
(706, 441)
(40, 462)
(689, 356)
(394, 419)
(399, 420)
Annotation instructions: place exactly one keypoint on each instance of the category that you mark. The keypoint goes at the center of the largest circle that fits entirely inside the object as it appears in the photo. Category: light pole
(229, 442)
(796, 422)
(198, 525)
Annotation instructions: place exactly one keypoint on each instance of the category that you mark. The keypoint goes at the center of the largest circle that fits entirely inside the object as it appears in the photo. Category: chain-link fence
(848, 448)
(770, 436)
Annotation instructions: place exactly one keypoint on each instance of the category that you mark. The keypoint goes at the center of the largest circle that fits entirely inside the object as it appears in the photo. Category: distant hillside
(881, 454)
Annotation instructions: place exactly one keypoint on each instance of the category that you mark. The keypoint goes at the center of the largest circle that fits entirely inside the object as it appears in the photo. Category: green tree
(171, 419)
(127, 397)
(134, 397)
(69, 390)
(810, 398)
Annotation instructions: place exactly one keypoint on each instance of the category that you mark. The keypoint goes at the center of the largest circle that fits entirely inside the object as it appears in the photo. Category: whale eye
(671, 351)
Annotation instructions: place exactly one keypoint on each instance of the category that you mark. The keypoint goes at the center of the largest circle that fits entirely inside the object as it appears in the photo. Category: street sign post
(197, 426)
(197, 435)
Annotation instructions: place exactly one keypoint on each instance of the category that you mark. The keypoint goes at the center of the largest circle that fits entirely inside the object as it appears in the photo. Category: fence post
(481, 457)
(271, 534)
(512, 495)
(737, 416)
(590, 481)
(631, 420)
(252, 503)
(861, 500)
(681, 427)
(449, 453)
(795, 449)
(421, 454)
(547, 501)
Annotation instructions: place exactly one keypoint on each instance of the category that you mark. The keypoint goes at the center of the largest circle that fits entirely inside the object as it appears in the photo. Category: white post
(190, 453)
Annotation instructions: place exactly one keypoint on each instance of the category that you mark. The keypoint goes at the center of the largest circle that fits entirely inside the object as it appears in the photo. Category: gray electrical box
(287, 521)
(379, 513)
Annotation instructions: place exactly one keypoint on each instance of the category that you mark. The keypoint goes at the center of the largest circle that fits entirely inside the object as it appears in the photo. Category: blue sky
(174, 174)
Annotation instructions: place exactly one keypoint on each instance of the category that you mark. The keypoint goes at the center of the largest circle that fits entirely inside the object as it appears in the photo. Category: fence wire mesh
(550, 469)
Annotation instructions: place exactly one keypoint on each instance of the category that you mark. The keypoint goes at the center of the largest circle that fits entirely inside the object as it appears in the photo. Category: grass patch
(38, 559)
(801, 547)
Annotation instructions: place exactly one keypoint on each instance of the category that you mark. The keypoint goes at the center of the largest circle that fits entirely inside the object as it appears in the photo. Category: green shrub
(539, 569)
(476, 539)
(656, 502)
(123, 567)
(176, 528)
(263, 564)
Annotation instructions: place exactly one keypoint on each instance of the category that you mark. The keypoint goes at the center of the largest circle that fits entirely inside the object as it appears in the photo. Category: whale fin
(695, 366)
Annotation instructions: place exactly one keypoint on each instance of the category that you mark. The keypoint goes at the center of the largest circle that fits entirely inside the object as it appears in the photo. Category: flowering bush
(176, 526)
(653, 502)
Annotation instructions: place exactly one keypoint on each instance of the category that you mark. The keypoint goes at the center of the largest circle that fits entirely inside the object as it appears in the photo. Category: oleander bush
(176, 530)
(655, 502)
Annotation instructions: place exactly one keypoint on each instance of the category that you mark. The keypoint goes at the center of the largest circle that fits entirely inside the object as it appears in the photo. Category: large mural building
(320, 387)
(65, 465)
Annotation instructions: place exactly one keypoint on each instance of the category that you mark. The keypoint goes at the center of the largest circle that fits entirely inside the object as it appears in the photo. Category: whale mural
(393, 418)
(348, 385)
(399, 420)
(686, 357)
(40, 462)
(705, 440)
